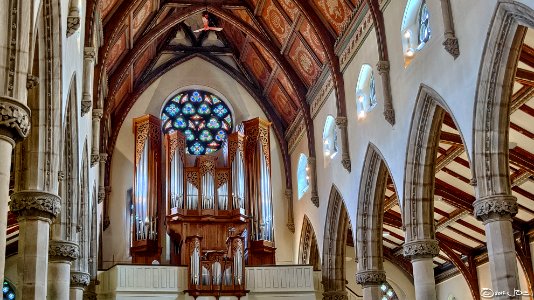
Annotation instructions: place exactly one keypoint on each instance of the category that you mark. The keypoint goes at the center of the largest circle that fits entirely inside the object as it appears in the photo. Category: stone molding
(79, 279)
(59, 250)
(496, 207)
(373, 277)
(33, 203)
(421, 249)
(451, 45)
(14, 119)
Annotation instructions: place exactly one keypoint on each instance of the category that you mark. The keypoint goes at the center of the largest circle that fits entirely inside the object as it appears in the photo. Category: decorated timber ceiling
(277, 48)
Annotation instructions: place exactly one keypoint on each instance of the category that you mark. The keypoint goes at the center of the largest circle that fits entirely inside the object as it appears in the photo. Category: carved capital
(14, 119)
(451, 45)
(497, 207)
(32, 203)
(335, 295)
(89, 53)
(291, 226)
(63, 250)
(86, 104)
(97, 114)
(32, 81)
(79, 279)
(373, 277)
(421, 249)
(73, 21)
(103, 157)
(341, 122)
(382, 66)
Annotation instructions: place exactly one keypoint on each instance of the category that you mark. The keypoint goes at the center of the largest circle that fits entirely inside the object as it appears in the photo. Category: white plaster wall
(197, 73)
(399, 281)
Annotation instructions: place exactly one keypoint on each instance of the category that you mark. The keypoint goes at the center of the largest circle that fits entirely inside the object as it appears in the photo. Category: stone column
(389, 113)
(371, 281)
(312, 165)
(35, 211)
(496, 213)
(78, 282)
(101, 177)
(60, 254)
(341, 122)
(290, 220)
(95, 149)
(421, 253)
(89, 55)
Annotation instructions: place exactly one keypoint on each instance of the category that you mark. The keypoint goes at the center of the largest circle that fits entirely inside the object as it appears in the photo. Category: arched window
(303, 179)
(387, 292)
(365, 91)
(202, 117)
(8, 290)
(415, 30)
(329, 138)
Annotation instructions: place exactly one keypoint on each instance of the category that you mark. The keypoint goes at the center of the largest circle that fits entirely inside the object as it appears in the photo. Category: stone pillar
(312, 165)
(89, 56)
(101, 177)
(421, 253)
(496, 213)
(389, 113)
(341, 122)
(371, 281)
(95, 149)
(15, 127)
(35, 211)
(78, 282)
(60, 254)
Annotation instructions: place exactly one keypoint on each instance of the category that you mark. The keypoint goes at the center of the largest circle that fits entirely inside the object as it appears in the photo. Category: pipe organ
(216, 208)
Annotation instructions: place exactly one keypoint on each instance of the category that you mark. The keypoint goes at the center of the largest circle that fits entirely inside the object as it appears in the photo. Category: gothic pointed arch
(335, 239)
(308, 248)
(370, 219)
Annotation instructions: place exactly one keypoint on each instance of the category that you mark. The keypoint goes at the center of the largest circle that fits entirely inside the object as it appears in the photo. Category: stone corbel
(290, 220)
(312, 165)
(73, 20)
(383, 69)
(341, 122)
(421, 249)
(32, 81)
(451, 42)
(95, 149)
(89, 57)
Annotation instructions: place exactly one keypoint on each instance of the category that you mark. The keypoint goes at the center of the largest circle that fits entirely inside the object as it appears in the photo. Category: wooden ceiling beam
(523, 158)
(524, 77)
(453, 195)
(526, 55)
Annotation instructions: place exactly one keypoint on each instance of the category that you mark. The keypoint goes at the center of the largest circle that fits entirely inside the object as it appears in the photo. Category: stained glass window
(424, 26)
(8, 290)
(202, 117)
(303, 179)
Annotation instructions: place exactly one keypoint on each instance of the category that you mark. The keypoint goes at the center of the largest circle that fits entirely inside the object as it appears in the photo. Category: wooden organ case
(217, 209)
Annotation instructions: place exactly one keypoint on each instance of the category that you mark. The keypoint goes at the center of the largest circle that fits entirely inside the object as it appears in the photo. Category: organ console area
(211, 212)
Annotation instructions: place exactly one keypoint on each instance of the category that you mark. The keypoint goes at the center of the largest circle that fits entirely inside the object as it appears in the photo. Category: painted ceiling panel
(257, 65)
(282, 103)
(117, 50)
(275, 21)
(313, 40)
(141, 16)
(290, 8)
(282, 78)
(304, 62)
(245, 16)
(334, 11)
(106, 6)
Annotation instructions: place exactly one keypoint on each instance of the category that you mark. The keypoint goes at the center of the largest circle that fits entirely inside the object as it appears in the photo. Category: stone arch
(495, 204)
(335, 239)
(308, 248)
(418, 203)
(369, 220)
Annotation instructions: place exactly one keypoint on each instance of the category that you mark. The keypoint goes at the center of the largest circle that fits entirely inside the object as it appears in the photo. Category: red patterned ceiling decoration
(276, 21)
(117, 50)
(282, 104)
(142, 63)
(245, 16)
(141, 16)
(106, 6)
(335, 11)
(268, 58)
(304, 62)
(290, 8)
(257, 65)
(282, 78)
(313, 40)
